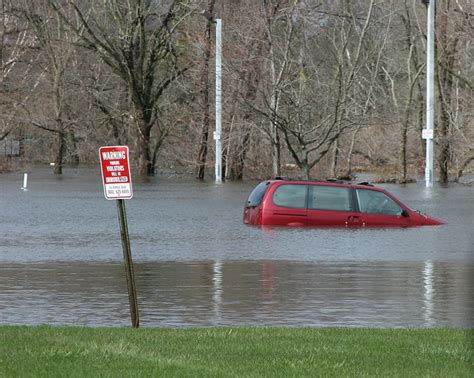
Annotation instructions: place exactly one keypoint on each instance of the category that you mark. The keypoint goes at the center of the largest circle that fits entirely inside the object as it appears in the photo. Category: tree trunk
(445, 85)
(252, 80)
(73, 156)
(204, 92)
(351, 152)
(465, 163)
(145, 165)
(404, 131)
(403, 151)
(58, 161)
(239, 166)
(58, 114)
(305, 168)
(335, 158)
(276, 158)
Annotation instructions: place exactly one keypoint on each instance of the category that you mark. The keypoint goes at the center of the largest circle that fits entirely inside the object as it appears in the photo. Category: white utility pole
(428, 133)
(217, 133)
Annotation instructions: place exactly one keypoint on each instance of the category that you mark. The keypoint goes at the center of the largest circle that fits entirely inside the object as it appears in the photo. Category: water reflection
(428, 293)
(377, 294)
(217, 288)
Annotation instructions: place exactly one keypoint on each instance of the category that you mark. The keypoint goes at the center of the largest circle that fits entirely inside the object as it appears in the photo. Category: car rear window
(330, 198)
(290, 196)
(255, 198)
(373, 202)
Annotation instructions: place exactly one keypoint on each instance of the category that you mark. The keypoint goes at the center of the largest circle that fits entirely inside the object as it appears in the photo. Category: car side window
(373, 202)
(334, 198)
(289, 195)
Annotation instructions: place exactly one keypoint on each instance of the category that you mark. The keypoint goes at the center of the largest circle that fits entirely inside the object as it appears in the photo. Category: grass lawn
(247, 351)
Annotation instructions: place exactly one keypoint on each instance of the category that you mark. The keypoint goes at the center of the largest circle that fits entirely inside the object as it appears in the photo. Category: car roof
(340, 183)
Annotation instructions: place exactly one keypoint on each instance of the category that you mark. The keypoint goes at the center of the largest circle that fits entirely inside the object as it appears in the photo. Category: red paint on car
(328, 204)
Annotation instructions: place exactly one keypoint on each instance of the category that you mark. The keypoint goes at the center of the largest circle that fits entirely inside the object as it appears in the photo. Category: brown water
(198, 265)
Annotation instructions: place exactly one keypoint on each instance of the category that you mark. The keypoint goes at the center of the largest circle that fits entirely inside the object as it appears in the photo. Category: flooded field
(198, 265)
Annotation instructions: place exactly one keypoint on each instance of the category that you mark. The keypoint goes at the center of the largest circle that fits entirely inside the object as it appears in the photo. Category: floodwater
(196, 264)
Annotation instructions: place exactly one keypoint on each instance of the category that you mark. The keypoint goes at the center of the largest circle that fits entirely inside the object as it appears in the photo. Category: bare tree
(245, 70)
(276, 13)
(403, 80)
(309, 110)
(15, 75)
(326, 87)
(56, 54)
(366, 88)
(108, 95)
(204, 90)
(137, 41)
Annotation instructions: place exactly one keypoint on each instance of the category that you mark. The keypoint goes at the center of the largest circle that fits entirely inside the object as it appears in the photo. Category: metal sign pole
(217, 133)
(430, 93)
(117, 181)
(127, 257)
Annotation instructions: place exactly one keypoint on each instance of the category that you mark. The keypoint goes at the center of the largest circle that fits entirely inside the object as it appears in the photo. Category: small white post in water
(25, 182)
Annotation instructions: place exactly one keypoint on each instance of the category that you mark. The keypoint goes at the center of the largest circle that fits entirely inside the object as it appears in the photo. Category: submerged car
(282, 202)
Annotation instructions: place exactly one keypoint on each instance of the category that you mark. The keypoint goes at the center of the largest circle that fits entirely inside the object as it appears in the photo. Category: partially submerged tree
(137, 40)
(403, 73)
(204, 90)
(55, 55)
(448, 41)
(311, 98)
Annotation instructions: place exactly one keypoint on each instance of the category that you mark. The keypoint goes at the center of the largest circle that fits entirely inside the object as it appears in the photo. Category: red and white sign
(116, 175)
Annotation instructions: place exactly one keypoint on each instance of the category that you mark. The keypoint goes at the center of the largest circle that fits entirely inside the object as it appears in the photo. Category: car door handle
(355, 219)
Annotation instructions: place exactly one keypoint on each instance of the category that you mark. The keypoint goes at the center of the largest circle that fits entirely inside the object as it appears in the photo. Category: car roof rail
(282, 178)
(365, 183)
(336, 181)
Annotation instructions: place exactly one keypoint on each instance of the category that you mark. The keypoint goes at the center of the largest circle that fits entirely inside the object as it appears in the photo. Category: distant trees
(204, 90)
(453, 78)
(15, 75)
(315, 92)
(56, 57)
(137, 41)
(324, 87)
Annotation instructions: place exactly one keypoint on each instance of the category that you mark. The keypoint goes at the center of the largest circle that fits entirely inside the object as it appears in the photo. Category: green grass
(285, 352)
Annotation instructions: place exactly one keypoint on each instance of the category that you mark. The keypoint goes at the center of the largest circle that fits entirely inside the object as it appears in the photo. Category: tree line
(315, 88)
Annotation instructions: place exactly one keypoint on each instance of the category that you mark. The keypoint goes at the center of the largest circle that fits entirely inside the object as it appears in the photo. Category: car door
(331, 206)
(377, 209)
(288, 206)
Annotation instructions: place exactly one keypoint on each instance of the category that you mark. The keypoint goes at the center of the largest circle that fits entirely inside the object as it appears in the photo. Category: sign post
(117, 181)
(430, 80)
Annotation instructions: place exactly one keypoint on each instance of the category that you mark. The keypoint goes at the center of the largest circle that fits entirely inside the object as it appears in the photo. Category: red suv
(328, 204)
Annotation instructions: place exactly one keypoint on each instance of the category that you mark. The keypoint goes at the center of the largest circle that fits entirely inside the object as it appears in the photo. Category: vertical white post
(430, 93)
(217, 133)
(25, 182)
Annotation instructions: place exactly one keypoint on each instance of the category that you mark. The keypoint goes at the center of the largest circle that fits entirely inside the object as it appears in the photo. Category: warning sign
(116, 175)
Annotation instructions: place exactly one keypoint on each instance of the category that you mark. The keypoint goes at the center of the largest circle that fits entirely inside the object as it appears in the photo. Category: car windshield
(257, 194)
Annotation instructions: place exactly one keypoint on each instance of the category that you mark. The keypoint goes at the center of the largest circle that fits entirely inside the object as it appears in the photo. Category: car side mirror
(405, 214)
